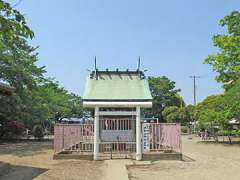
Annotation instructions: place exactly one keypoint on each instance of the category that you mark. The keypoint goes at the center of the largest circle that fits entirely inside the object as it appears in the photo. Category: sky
(172, 37)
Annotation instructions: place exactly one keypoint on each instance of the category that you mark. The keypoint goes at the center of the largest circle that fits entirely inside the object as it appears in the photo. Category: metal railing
(77, 137)
(163, 137)
(80, 137)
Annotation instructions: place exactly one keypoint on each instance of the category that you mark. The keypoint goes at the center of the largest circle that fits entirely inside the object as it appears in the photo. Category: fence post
(96, 134)
(138, 135)
(62, 136)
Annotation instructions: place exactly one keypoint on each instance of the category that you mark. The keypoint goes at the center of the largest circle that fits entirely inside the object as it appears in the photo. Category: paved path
(116, 169)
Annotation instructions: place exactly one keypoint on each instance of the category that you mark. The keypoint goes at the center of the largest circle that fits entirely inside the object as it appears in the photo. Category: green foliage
(184, 129)
(170, 114)
(54, 102)
(38, 131)
(226, 61)
(164, 94)
(190, 110)
(183, 115)
(229, 133)
(13, 24)
(174, 114)
(17, 62)
(212, 112)
(232, 100)
(217, 110)
(36, 98)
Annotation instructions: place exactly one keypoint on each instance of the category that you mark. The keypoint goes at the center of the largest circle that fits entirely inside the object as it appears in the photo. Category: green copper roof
(117, 86)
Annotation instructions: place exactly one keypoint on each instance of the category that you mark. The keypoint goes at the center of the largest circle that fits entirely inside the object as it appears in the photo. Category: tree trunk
(230, 140)
(216, 138)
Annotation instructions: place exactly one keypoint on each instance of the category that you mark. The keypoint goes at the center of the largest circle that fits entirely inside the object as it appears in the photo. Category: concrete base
(138, 157)
(155, 156)
(151, 156)
(73, 156)
(96, 157)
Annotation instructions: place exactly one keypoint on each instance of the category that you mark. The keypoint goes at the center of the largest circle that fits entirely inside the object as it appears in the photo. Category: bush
(229, 133)
(235, 132)
(14, 129)
(224, 133)
(38, 131)
(184, 129)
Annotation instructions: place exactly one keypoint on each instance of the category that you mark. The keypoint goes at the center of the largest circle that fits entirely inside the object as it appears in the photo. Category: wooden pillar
(96, 134)
(138, 134)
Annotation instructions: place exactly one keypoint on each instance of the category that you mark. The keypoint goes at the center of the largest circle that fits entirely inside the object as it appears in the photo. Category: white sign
(117, 135)
(146, 137)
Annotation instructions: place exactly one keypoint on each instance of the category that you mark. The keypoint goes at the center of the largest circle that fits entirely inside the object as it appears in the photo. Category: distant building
(82, 120)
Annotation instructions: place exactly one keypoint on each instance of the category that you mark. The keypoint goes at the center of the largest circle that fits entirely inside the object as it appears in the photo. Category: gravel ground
(33, 160)
(205, 161)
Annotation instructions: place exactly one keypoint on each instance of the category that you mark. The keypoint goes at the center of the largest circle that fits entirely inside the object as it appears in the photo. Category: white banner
(146, 137)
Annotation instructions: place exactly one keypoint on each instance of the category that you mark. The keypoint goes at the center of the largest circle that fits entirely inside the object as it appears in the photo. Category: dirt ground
(203, 161)
(33, 160)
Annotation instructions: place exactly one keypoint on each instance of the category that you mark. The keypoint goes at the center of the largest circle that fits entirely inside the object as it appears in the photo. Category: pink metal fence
(77, 136)
(165, 137)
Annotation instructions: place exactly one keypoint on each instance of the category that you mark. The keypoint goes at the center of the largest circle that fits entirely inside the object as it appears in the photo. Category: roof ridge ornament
(139, 63)
(96, 73)
(95, 63)
(95, 66)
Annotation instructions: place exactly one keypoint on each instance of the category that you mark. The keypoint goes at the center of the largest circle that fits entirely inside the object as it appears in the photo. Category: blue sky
(172, 37)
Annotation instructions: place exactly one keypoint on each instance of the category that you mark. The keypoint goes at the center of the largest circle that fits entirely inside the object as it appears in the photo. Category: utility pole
(194, 97)
(194, 89)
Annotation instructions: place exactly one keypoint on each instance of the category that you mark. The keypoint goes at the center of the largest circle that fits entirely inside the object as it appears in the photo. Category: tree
(13, 25)
(17, 63)
(227, 61)
(190, 110)
(75, 104)
(36, 98)
(210, 111)
(218, 110)
(52, 102)
(171, 114)
(184, 116)
(174, 114)
(164, 94)
(232, 101)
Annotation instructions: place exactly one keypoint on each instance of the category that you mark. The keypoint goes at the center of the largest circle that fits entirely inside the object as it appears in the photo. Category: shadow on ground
(225, 143)
(13, 172)
(25, 148)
